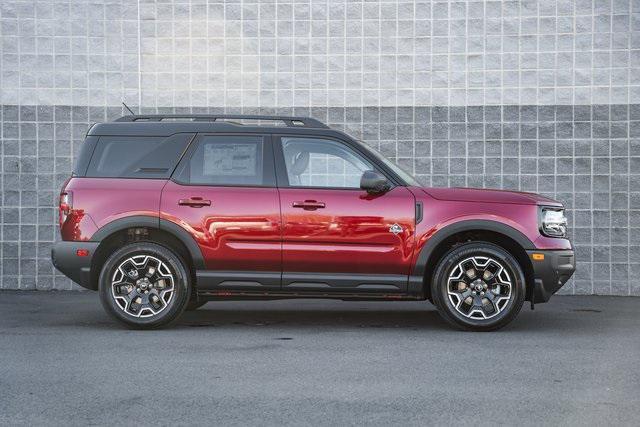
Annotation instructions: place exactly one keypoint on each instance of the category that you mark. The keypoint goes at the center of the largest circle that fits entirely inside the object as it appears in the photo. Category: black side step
(265, 295)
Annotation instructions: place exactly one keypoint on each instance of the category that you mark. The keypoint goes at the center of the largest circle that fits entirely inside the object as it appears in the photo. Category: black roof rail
(288, 120)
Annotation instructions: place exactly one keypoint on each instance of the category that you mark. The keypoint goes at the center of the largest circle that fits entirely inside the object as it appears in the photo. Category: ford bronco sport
(164, 213)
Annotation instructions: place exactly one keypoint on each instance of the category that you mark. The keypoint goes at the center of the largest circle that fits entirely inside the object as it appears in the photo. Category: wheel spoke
(490, 295)
(131, 295)
(477, 301)
(463, 296)
(490, 306)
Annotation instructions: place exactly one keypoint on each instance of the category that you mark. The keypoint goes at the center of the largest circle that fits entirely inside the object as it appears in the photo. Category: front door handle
(309, 205)
(194, 202)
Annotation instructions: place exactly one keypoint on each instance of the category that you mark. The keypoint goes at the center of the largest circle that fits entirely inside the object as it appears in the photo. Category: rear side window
(137, 157)
(227, 160)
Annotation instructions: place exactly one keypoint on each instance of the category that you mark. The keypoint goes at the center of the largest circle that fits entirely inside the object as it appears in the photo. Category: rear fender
(143, 221)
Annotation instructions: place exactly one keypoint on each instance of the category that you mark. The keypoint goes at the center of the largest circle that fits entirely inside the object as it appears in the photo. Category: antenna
(127, 107)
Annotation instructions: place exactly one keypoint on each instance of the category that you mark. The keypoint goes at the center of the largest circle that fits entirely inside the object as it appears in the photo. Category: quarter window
(137, 157)
(314, 162)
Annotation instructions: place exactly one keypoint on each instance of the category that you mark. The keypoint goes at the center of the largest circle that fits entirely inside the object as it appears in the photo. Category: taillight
(66, 205)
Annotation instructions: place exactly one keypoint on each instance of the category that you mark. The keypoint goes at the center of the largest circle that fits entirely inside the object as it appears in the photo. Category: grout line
(139, 57)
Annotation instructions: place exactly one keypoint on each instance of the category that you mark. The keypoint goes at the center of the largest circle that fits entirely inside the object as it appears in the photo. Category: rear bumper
(65, 258)
(551, 272)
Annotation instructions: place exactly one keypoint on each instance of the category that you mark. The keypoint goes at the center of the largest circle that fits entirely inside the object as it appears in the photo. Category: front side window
(225, 160)
(314, 162)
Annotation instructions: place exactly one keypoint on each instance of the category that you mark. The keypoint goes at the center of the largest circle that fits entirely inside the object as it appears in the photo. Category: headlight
(553, 222)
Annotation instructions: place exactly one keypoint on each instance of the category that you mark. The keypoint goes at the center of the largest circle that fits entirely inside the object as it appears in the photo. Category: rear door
(223, 192)
(336, 237)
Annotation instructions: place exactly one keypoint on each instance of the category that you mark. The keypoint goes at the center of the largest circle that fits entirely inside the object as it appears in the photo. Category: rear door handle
(309, 205)
(194, 202)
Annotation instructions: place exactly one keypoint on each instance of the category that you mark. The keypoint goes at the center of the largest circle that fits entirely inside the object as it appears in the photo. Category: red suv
(164, 213)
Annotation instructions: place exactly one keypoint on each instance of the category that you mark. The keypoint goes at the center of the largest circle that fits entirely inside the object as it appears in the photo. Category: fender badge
(395, 229)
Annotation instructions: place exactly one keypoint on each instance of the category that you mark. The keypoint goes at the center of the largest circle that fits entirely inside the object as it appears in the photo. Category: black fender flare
(187, 240)
(124, 223)
(157, 223)
(466, 225)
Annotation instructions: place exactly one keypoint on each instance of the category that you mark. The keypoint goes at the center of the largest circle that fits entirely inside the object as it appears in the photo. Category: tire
(460, 275)
(194, 305)
(159, 271)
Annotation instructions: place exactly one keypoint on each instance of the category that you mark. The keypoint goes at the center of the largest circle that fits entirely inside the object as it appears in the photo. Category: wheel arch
(493, 232)
(144, 228)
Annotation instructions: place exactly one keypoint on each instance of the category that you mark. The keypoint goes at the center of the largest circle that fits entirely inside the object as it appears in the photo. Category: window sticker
(230, 159)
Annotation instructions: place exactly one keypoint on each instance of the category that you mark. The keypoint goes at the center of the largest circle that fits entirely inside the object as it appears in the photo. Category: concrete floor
(572, 361)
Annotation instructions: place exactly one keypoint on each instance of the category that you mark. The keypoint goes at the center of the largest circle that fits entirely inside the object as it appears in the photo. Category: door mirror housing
(373, 182)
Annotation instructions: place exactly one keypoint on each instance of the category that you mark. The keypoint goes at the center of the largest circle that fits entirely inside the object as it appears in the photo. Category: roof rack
(288, 120)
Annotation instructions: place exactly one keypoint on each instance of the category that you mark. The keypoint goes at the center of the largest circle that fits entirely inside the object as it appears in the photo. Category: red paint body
(517, 210)
(259, 229)
(350, 234)
(99, 201)
(241, 230)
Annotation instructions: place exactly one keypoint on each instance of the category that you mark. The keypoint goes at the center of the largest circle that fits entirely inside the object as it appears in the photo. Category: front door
(223, 192)
(336, 237)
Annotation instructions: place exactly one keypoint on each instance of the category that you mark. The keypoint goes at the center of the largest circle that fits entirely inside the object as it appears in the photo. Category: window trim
(281, 166)
(268, 163)
(87, 148)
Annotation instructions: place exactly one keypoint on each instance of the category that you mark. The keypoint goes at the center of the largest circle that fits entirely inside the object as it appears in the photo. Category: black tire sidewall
(182, 285)
(440, 282)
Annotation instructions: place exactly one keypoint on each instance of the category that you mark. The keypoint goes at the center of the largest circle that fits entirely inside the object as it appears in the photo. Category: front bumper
(64, 256)
(551, 272)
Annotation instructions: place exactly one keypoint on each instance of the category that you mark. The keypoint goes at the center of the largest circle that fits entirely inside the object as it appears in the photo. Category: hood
(460, 194)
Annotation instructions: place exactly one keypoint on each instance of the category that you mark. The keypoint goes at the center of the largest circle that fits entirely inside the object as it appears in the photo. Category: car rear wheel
(478, 286)
(144, 285)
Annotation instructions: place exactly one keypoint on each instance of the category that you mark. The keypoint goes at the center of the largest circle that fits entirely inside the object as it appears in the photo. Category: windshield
(404, 175)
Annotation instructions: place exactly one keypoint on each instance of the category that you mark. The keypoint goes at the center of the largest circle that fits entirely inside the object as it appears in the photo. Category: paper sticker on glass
(230, 159)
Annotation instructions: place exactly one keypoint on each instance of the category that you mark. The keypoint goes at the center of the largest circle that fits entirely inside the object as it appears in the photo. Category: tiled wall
(536, 95)
(586, 156)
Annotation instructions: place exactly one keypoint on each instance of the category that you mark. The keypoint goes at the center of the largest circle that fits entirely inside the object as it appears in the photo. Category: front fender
(435, 238)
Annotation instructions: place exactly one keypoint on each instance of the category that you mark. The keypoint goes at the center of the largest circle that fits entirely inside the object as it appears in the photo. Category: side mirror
(374, 182)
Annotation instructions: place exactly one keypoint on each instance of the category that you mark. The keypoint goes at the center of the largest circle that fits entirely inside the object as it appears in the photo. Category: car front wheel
(144, 285)
(478, 286)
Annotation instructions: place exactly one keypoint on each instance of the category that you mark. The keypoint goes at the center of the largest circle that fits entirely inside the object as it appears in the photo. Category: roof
(168, 124)
(287, 120)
